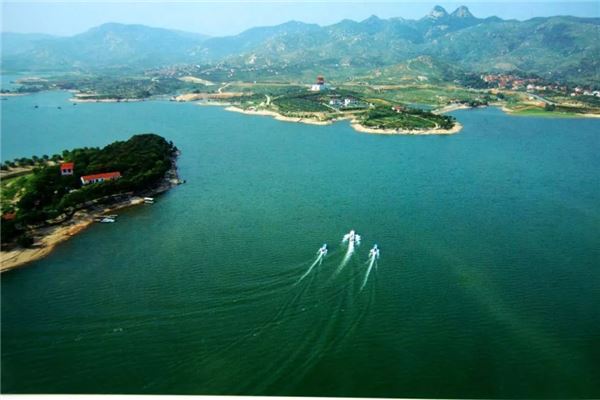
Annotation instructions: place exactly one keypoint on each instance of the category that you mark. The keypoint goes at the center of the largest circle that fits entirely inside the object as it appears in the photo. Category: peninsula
(47, 203)
(321, 104)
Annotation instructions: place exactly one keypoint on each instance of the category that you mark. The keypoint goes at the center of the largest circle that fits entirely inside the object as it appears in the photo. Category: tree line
(143, 161)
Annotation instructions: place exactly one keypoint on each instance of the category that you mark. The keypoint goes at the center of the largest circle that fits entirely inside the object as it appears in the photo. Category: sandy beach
(355, 125)
(47, 238)
(360, 128)
(213, 103)
(279, 117)
(12, 94)
(84, 100)
(205, 96)
(451, 107)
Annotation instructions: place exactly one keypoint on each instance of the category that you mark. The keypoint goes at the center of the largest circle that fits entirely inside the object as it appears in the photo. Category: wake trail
(345, 259)
(319, 261)
(373, 261)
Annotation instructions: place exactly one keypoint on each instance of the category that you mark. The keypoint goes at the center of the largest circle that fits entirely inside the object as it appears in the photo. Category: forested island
(55, 198)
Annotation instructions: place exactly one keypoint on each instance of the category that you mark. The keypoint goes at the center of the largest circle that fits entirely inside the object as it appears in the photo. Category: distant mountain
(563, 47)
(15, 43)
(108, 45)
(216, 48)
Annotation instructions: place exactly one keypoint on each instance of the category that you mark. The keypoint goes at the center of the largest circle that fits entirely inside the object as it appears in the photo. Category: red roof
(67, 165)
(105, 176)
(9, 216)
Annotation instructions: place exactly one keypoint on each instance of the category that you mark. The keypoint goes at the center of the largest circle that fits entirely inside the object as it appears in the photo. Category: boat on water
(323, 250)
(374, 252)
(149, 200)
(107, 218)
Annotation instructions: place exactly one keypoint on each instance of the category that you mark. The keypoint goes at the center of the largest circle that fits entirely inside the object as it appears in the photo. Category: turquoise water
(487, 285)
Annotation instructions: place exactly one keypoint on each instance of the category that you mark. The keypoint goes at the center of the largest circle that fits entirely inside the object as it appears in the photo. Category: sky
(222, 18)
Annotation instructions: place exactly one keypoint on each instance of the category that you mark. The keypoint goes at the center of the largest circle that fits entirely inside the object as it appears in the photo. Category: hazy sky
(218, 18)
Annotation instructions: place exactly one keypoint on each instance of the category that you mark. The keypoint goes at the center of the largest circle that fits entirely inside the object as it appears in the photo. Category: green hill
(109, 45)
(561, 47)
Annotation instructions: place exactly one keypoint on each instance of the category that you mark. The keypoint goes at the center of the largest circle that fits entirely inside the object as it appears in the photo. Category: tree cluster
(143, 161)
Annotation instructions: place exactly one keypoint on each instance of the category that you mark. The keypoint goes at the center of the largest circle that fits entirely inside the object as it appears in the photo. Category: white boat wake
(373, 256)
(321, 253)
(353, 240)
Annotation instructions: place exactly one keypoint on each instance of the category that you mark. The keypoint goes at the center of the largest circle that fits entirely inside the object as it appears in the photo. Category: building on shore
(99, 178)
(319, 85)
(67, 168)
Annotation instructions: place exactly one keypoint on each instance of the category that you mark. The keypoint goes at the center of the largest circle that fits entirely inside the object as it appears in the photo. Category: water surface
(487, 285)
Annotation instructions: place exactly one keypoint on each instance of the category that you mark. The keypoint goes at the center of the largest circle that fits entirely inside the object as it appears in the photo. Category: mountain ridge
(550, 46)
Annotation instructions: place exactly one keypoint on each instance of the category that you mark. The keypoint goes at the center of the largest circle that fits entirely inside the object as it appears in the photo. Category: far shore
(452, 107)
(279, 117)
(436, 131)
(12, 94)
(214, 103)
(354, 124)
(48, 237)
(109, 100)
(545, 114)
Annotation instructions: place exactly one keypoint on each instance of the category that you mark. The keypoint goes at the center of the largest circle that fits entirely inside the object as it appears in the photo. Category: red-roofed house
(97, 178)
(67, 168)
(9, 216)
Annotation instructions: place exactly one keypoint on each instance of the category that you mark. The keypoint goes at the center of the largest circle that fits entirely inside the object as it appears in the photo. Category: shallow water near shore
(487, 285)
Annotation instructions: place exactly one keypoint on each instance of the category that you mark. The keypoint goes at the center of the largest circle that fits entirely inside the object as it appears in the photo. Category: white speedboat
(323, 250)
(374, 252)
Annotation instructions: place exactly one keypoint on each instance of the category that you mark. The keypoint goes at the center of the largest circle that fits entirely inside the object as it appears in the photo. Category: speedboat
(351, 237)
(323, 250)
(374, 252)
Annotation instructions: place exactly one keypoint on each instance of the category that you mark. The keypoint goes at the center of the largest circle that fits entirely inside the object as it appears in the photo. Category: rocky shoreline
(436, 131)
(47, 237)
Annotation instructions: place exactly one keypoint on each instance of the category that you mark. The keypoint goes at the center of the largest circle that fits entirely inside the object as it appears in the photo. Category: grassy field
(535, 111)
(302, 102)
(386, 118)
(432, 95)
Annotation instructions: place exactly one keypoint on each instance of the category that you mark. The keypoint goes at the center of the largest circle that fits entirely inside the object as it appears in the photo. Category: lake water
(488, 283)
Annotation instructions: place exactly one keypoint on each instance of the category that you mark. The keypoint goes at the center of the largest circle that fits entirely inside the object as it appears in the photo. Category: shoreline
(353, 123)
(12, 94)
(436, 131)
(48, 237)
(279, 117)
(109, 100)
(452, 107)
(544, 114)
(213, 103)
